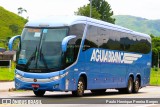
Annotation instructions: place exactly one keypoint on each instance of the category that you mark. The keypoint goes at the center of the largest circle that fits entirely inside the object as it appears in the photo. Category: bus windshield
(41, 49)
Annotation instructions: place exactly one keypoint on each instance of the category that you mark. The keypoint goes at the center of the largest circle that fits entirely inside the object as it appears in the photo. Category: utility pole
(90, 8)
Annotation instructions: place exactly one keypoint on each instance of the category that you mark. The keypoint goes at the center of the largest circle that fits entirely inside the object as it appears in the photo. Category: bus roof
(60, 21)
(57, 21)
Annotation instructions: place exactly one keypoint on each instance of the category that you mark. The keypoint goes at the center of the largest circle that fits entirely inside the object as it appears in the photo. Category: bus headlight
(59, 76)
(18, 76)
(55, 78)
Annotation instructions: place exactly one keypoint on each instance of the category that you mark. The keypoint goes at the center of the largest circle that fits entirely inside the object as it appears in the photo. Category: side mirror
(11, 41)
(65, 42)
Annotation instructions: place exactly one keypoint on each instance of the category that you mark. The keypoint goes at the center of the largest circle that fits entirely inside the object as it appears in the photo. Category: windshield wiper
(31, 58)
(43, 59)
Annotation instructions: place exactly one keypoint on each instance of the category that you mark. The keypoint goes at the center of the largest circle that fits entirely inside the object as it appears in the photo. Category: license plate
(35, 85)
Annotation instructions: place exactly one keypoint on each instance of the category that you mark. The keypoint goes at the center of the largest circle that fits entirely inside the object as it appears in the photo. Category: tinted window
(91, 40)
(139, 44)
(74, 44)
(111, 40)
(116, 40)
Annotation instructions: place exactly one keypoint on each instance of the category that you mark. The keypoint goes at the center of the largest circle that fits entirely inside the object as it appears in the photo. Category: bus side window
(70, 54)
(91, 40)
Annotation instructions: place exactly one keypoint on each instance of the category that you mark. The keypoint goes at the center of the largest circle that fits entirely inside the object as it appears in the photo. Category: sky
(149, 9)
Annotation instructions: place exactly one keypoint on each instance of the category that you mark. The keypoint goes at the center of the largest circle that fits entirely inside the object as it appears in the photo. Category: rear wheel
(39, 93)
(136, 85)
(80, 88)
(100, 91)
(129, 88)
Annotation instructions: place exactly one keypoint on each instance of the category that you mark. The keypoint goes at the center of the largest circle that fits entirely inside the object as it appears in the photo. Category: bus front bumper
(58, 85)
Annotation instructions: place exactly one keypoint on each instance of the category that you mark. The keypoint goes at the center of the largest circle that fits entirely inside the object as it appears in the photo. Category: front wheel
(80, 88)
(39, 93)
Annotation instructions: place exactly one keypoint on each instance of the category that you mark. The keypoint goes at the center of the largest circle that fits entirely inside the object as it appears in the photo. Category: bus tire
(129, 88)
(39, 93)
(80, 88)
(100, 91)
(136, 85)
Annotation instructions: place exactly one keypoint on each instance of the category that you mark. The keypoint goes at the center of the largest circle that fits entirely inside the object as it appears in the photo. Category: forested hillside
(10, 24)
(139, 24)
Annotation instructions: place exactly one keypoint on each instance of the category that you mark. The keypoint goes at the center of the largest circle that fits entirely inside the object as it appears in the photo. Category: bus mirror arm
(65, 42)
(11, 41)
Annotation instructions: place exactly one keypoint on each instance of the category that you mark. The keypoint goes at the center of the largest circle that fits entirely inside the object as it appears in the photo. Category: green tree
(14, 28)
(104, 8)
(152, 36)
(100, 10)
(21, 10)
(155, 50)
(85, 11)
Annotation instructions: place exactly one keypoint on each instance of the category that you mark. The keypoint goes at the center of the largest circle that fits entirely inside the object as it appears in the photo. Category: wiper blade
(31, 58)
(43, 59)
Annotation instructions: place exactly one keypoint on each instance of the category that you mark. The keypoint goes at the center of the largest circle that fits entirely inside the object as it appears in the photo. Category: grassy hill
(10, 24)
(139, 24)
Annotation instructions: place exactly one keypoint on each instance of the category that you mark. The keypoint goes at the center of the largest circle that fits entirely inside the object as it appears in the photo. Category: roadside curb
(8, 90)
(4, 91)
(6, 81)
(7, 86)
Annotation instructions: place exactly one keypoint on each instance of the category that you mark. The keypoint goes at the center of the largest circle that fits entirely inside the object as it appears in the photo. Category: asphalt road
(111, 98)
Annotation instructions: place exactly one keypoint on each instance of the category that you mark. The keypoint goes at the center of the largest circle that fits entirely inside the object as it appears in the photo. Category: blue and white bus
(77, 53)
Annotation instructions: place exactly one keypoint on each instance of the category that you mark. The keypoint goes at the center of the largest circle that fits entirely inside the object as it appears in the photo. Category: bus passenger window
(70, 54)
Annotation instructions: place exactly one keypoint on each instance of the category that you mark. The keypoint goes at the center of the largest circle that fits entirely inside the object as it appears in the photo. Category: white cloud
(41, 8)
(142, 8)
